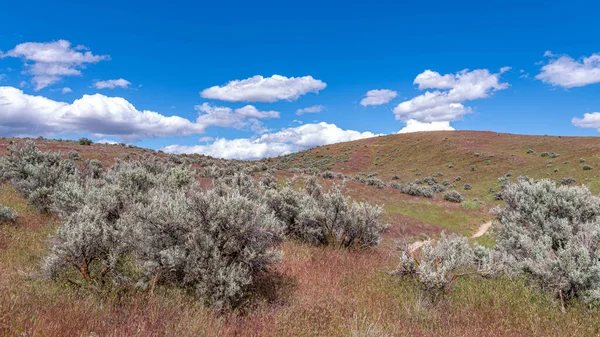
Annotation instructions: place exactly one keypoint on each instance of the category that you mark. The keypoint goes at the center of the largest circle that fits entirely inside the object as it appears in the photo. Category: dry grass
(315, 291)
(318, 291)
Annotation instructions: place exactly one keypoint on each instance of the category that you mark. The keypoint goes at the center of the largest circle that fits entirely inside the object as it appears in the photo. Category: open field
(319, 290)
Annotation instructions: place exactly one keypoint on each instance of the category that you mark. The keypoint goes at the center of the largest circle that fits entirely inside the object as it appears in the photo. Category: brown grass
(315, 291)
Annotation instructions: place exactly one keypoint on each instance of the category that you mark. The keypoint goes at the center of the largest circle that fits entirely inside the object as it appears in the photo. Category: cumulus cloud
(111, 84)
(49, 62)
(106, 141)
(246, 117)
(378, 97)
(446, 103)
(310, 110)
(264, 89)
(416, 126)
(274, 144)
(590, 120)
(66, 90)
(566, 72)
(28, 115)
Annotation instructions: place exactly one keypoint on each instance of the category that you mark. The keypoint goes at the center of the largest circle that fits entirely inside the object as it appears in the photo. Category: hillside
(319, 290)
(478, 157)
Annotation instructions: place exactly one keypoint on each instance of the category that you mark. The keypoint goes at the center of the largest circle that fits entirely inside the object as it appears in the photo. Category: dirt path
(482, 229)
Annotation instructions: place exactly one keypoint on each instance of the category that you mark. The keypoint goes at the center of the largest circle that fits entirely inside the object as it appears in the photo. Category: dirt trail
(482, 230)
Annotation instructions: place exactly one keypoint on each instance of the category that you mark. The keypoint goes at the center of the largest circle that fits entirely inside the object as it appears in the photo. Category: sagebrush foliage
(145, 222)
(438, 264)
(7, 214)
(453, 196)
(34, 173)
(328, 218)
(551, 234)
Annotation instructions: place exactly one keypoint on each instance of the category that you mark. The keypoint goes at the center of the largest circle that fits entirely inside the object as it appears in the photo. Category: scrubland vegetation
(155, 244)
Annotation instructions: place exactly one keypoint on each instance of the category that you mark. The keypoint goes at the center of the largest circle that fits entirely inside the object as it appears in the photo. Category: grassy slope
(321, 291)
(417, 155)
(423, 154)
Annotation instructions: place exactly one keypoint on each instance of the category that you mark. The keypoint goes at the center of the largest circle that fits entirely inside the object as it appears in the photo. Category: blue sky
(159, 57)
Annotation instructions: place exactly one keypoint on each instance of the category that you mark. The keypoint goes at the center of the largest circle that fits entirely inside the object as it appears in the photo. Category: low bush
(587, 167)
(34, 173)
(552, 235)
(441, 263)
(468, 187)
(453, 196)
(375, 182)
(567, 181)
(85, 141)
(327, 218)
(419, 191)
(7, 214)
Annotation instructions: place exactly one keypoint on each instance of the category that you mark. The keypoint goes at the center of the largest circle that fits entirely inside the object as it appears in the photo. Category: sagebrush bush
(372, 181)
(438, 188)
(216, 244)
(416, 190)
(440, 263)
(552, 235)
(74, 155)
(453, 196)
(587, 167)
(7, 214)
(34, 173)
(567, 181)
(326, 218)
(468, 187)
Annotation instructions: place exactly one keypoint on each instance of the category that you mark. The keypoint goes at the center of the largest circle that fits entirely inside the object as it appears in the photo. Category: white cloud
(590, 120)
(274, 144)
(106, 141)
(446, 106)
(310, 109)
(566, 72)
(2, 77)
(205, 139)
(66, 90)
(27, 115)
(246, 117)
(49, 62)
(416, 126)
(261, 89)
(111, 84)
(378, 97)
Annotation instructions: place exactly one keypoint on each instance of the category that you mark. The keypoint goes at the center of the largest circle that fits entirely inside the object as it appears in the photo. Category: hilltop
(478, 157)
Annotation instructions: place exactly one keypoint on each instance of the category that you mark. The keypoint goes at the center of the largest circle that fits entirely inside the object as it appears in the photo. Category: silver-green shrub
(439, 264)
(34, 173)
(417, 190)
(326, 218)
(7, 214)
(453, 196)
(551, 234)
(216, 244)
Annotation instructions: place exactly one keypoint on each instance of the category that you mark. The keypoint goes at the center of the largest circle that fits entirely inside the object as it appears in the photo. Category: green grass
(457, 220)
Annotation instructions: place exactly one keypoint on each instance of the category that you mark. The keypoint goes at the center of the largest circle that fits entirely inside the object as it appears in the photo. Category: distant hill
(478, 157)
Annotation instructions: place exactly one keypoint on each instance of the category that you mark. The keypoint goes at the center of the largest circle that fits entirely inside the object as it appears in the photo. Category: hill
(478, 157)
(321, 290)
